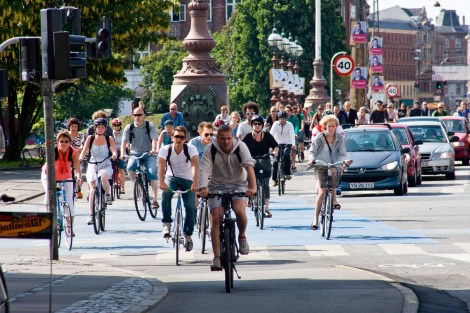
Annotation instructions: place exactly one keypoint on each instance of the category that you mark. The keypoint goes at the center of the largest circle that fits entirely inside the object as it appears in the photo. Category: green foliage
(244, 55)
(158, 70)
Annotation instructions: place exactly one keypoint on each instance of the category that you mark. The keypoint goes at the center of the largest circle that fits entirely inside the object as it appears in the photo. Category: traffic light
(439, 85)
(103, 38)
(30, 58)
(3, 84)
(51, 22)
(69, 53)
(416, 84)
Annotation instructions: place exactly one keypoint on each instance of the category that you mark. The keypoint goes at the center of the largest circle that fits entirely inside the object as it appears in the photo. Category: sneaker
(216, 265)
(166, 229)
(289, 177)
(79, 195)
(90, 220)
(244, 248)
(188, 243)
(274, 183)
(109, 200)
(155, 204)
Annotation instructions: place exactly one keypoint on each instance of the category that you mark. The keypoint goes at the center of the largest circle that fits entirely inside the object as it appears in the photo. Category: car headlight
(389, 166)
(443, 155)
(458, 144)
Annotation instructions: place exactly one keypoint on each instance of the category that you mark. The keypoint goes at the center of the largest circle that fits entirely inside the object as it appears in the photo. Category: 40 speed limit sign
(343, 65)
(392, 91)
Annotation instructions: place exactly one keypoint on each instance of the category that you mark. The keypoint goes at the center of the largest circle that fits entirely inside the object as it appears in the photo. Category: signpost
(391, 90)
(343, 65)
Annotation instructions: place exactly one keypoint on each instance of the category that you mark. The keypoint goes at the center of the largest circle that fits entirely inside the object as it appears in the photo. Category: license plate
(424, 164)
(361, 185)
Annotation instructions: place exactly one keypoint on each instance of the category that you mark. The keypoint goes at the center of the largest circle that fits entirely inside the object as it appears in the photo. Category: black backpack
(186, 153)
(147, 127)
(107, 143)
(214, 151)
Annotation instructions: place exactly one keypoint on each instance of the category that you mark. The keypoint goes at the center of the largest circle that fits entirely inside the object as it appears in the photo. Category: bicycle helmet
(117, 121)
(100, 121)
(218, 123)
(169, 122)
(257, 118)
(283, 115)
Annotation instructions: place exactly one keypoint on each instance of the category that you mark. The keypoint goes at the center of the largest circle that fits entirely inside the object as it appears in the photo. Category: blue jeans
(150, 165)
(188, 199)
(286, 162)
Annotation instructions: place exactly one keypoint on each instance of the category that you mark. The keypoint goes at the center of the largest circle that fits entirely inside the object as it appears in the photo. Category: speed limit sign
(343, 65)
(392, 91)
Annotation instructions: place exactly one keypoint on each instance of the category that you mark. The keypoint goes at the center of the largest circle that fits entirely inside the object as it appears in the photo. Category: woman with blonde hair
(234, 122)
(362, 116)
(223, 116)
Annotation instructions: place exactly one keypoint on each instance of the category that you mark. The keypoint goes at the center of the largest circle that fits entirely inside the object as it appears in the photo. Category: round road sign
(343, 65)
(392, 91)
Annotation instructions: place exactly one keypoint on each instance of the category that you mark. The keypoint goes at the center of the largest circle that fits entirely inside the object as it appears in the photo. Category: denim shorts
(150, 165)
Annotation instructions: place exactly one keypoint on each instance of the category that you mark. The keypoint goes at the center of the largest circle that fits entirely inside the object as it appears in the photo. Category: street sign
(343, 65)
(392, 91)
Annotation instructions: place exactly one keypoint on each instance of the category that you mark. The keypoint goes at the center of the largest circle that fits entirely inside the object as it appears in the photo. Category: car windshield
(455, 126)
(400, 133)
(369, 141)
(428, 133)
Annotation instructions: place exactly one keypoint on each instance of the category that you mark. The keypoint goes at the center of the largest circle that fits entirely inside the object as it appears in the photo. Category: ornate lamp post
(274, 40)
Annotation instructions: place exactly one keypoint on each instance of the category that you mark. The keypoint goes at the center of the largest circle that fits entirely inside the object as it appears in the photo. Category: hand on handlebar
(250, 192)
(203, 192)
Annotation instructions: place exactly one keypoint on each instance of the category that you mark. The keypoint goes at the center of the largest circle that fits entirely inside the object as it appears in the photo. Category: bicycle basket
(263, 168)
(333, 180)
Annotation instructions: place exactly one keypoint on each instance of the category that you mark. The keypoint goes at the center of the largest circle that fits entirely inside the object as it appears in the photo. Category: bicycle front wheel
(228, 261)
(102, 213)
(329, 214)
(177, 235)
(204, 226)
(279, 177)
(96, 206)
(151, 209)
(68, 225)
(261, 208)
(60, 226)
(140, 200)
(323, 216)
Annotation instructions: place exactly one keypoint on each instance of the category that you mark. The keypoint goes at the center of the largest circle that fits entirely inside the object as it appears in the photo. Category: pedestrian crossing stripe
(401, 249)
(326, 250)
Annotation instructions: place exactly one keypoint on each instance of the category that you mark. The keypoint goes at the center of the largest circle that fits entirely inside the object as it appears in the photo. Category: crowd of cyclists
(219, 159)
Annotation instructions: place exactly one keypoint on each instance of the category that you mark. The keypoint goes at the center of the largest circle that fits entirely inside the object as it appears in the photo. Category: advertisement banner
(378, 84)
(358, 78)
(31, 225)
(276, 77)
(358, 34)
(454, 72)
(375, 62)
(376, 45)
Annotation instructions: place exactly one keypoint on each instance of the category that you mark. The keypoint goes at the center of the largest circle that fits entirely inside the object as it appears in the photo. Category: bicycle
(4, 300)
(258, 203)
(177, 236)
(142, 200)
(115, 181)
(64, 213)
(330, 178)
(281, 177)
(228, 245)
(203, 223)
(98, 203)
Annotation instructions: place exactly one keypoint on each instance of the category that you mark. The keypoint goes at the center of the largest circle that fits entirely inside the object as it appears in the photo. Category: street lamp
(274, 41)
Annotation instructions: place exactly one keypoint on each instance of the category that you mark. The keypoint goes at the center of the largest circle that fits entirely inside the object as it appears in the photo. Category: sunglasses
(389, 107)
(137, 115)
(274, 111)
(440, 108)
(208, 135)
(250, 113)
(179, 137)
(117, 125)
(320, 109)
(257, 124)
(64, 141)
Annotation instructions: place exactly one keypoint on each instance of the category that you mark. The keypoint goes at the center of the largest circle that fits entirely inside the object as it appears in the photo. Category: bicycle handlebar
(179, 190)
(320, 163)
(89, 162)
(227, 194)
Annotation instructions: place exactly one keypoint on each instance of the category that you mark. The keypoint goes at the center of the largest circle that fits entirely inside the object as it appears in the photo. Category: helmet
(100, 121)
(169, 122)
(218, 123)
(116, 121)
(283, 115)
(257, 118)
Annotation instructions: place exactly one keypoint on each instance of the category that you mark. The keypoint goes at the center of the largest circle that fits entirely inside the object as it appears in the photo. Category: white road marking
(326, 250)
(401, 249)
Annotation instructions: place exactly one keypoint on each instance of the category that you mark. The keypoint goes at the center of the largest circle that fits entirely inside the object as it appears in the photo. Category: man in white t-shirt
(178, 169)
(250, 109)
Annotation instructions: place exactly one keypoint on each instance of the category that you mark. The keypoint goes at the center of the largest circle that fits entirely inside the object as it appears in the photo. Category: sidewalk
(87, 287)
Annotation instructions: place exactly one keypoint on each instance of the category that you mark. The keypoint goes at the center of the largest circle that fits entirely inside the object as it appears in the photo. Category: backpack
(186, 153)
(147, 127)
(214, 151)
(70, 154)
(107, 143)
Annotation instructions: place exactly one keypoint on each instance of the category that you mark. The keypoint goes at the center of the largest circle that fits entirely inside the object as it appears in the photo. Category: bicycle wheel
(300, 156)
(102, 212)
(228, 261)
(96, 205)
(204, 226)
(177, 235)
(322, 216)
(152, 211)
(68, 228)
(279, 177)
(59, 227)
(139, 200)
(255, 204)
(283, 184)
(329, 215)
(261, 208)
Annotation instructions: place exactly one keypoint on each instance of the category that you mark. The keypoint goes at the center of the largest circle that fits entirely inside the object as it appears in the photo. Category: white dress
(99, 153)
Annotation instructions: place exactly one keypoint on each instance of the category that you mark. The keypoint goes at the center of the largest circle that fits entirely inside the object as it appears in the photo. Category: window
(209, 10)
(458, 43)
(179, 16)
(231, 4)
(446, 43)
(139, 55)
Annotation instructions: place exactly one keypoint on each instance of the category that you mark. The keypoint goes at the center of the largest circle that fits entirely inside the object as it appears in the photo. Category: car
(423, 118)
(437, 153)
(379, 161)
(406, 139)
(461, 128)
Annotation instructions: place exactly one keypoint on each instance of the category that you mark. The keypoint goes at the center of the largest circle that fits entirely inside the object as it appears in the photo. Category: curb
(410, 300)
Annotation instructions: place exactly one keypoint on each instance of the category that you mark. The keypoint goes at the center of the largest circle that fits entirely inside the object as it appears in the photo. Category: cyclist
(249, 109)
(100, 146)
(283, 132)
(165, 136)
(329, 147)
(259, 144)
(298, 113)
(121, 164)
(66, 158)
(296, 123)
(141, 136)
(228, 162)
(180, 161)
(205, 131)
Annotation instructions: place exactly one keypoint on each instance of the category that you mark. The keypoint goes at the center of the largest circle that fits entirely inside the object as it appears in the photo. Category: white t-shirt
(243, 129)
(181, 168)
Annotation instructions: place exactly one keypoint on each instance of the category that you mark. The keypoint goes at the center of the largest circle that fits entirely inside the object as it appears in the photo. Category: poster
(375, 62)
(359, 78)
(377, 83)
(376, 44)
(358, 34)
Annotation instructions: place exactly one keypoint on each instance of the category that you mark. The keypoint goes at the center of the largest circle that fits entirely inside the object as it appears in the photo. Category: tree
(158, 70)
(136, 24)
(244, 55)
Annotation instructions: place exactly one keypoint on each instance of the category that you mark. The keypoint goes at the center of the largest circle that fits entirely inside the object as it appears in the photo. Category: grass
(154, 118)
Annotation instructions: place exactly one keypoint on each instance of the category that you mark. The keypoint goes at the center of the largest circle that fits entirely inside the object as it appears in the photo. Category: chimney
(463, 20)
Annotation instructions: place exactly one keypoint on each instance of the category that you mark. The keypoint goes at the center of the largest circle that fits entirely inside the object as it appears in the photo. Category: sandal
(267, 214)
(314, 227)
(337, 206)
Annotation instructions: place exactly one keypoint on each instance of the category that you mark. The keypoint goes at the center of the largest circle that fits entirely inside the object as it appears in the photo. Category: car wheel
(398, 191)
(450, 175)
(465, 162)
(412, 180)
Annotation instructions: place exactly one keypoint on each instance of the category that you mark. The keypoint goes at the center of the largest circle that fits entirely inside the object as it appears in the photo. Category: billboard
(454, 72)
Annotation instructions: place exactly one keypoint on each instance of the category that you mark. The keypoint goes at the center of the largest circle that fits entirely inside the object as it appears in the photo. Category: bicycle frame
(63, 209)
(98, 205)
(177, 237)
(142, 200)
(258, 204)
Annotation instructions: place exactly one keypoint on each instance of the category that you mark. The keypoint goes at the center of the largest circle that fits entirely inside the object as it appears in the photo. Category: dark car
(461, 128)
(406, 139)
(380, 162)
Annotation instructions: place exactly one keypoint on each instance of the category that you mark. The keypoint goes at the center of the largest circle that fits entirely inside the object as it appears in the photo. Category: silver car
(437, 153)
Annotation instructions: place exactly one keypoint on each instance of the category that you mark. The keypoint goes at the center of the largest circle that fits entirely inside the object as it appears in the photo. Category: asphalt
(100, 288)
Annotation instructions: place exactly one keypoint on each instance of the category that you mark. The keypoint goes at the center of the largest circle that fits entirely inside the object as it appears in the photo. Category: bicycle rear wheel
(68, 225)
(96, 206)
(140, 200)
(177, 235)
(152, 211)
(329, 214)
(279, 177)
(228, 265)
(102, 212)
(261, 208)
(204, 226)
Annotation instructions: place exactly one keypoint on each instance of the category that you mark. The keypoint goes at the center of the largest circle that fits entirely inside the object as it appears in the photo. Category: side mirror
(418, 142)
(454, 139)
(405, 150)
(450, 133)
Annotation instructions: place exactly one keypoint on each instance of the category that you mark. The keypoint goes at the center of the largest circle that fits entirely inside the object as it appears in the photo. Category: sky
(462, 7)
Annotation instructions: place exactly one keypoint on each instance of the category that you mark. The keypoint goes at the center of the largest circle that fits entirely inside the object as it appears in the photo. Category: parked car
(437, 153)
(406, 139)
(461, 128)
(380, 162)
